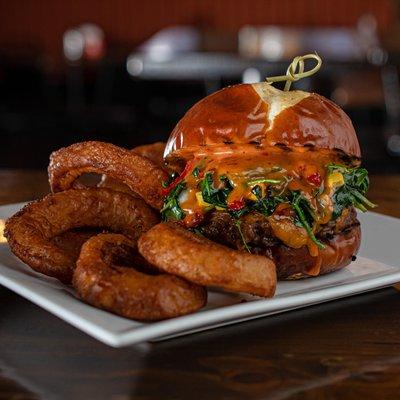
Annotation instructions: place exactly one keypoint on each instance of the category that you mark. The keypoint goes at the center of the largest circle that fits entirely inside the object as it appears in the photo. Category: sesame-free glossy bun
(247, 117)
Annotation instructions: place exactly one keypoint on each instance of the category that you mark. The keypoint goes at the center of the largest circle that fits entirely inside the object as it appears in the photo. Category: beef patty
(291, 263)
(257, 232)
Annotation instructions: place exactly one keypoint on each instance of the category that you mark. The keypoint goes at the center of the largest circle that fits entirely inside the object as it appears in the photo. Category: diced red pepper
(178, 179)
(314, 179)
(236, 205)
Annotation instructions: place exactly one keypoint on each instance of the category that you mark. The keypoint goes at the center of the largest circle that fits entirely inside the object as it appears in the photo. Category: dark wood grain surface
(347, 349)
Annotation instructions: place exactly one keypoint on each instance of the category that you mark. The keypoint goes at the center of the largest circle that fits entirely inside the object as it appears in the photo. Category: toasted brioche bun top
(247, 117)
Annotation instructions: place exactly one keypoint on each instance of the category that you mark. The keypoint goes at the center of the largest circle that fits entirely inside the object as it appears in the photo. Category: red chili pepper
(236, 205)
(178, 179)
(314, 178)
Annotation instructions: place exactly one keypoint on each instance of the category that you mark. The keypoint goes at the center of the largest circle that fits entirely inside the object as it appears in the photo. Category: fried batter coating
(139, 173)
(105, 277)
(178, 251)
(115, 184)
(31, 231)
(71, 241)
(154, 152)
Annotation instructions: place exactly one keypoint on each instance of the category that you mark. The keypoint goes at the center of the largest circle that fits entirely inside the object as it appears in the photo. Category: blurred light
(367, 24)
(73, 44)
(86, 40)
(272, 44)
(393, 145)
(172, 40)
(134, 66)
(377, 55)
(161, 52)
(251, 75)
(248, 41)
(94, 41)
(340, 96)
(2, 227)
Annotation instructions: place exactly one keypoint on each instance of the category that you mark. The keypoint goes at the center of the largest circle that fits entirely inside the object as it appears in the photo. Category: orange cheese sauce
(194, 212)
(291, 169)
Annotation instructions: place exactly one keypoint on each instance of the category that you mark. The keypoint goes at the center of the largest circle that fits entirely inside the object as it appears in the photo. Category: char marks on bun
(248, 117)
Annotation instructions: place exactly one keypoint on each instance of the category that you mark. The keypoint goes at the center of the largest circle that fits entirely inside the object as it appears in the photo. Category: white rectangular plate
(380, 242)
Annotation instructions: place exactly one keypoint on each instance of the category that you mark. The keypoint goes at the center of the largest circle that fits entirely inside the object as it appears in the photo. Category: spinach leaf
(264, 180)
(245, 245)
(211, 195)
(266, 205)
(352, 193)
(171, 209)
(196, 172)
(305, 215)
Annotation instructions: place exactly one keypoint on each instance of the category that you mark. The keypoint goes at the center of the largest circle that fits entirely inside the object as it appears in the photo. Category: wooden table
(347, 349)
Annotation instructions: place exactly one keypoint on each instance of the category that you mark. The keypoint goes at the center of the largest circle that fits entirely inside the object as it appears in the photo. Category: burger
(271, 172)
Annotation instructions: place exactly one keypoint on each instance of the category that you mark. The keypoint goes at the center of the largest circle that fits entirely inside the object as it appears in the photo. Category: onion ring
(154, 152)
(140, 174)
(101, 281)
(31, 230)
(72, 240)
(178, 251)
(115, 184)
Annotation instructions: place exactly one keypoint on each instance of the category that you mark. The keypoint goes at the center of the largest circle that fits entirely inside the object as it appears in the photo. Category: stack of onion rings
(140, 268)
(31, 230)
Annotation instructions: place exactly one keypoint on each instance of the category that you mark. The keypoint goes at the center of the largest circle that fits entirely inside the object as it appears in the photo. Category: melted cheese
(289, 168)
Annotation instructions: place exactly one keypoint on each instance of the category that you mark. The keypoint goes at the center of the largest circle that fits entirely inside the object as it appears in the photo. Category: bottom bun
(298, 263)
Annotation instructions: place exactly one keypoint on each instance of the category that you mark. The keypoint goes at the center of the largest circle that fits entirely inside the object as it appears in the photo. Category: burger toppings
(349, 186)
(314, 179)
(172, 209)
(296, 199)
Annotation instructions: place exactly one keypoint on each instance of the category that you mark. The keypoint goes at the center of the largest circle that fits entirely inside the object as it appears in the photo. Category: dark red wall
(42, 22)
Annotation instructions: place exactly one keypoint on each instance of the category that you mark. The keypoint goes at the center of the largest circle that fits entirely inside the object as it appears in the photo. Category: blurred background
(125, 71)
